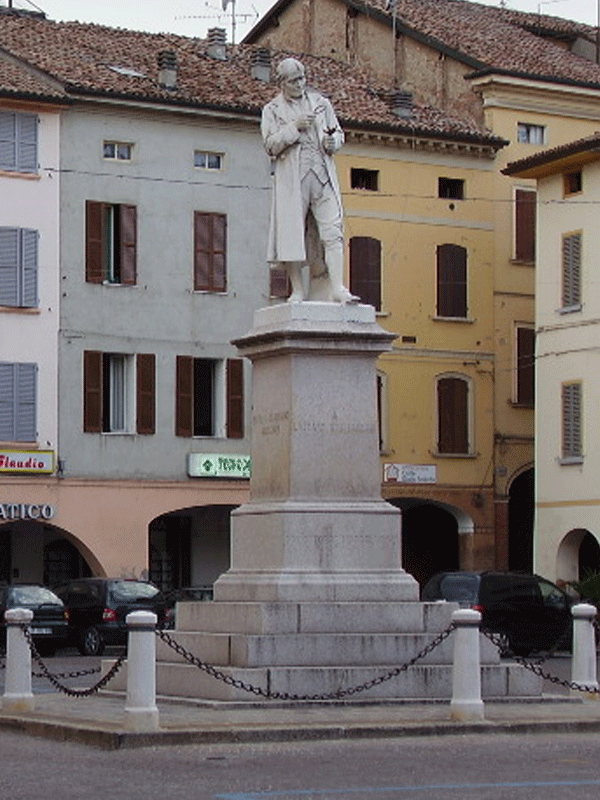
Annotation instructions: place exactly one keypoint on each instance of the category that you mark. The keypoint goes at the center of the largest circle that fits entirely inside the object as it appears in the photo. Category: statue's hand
(304, 121)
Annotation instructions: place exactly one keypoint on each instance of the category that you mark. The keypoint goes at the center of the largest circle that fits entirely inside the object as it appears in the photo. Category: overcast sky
(194, 17)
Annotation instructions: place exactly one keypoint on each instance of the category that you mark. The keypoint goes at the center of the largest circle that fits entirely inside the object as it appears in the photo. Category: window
(531, 134)
(18, 142)
(18, 411)
(111, 236)
(571, 272)
(109, 385)
(571, 422)
(525, 342)
(210, 242)
(117, 151)
(207, 160)
(453, 428)
(525, 215)
(453, 188)
(572, 182)
(365, 270)
(451, 281)
(209, 397)
(364, 179)
(18, 267)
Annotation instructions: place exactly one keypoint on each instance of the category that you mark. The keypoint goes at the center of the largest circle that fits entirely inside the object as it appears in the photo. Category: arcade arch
(521, 509)
(578, 553)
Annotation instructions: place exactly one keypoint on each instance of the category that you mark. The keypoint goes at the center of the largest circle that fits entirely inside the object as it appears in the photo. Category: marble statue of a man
(301, 133)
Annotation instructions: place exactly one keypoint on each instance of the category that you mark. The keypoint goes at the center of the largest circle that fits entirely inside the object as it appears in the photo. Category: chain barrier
(54, 679)
(535, 667)
(271, 695)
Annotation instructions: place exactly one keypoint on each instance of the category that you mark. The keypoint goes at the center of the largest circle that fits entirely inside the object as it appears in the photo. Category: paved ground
(100, 720)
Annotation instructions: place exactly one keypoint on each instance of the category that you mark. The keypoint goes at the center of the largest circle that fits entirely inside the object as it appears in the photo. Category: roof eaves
(532, 76)
(420, 132)
(590, 144)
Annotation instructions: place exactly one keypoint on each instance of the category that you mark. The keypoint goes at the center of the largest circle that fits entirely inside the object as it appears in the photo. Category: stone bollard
(583, 666)
(17, 686)
(141, 713)
(466, 704)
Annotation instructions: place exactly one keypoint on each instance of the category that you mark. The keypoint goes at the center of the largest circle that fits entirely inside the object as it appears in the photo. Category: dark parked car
(49, 626)
(530, 612)
(98, 607)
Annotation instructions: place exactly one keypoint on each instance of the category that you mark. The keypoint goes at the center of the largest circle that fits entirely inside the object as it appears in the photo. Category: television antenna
(219, 13)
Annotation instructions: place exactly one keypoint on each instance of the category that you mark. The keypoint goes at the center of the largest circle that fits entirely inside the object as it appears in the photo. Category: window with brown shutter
(210, 245)
(453, 427)
(365, 270)
(235, 398)
(146, 391)
(451, 281)
(525, 214)
(525, 366)
(110, 244)
(92, 391)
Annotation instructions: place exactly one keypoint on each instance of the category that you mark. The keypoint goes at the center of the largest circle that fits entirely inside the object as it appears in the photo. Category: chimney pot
(216, 47)
(402, 103)
(260, 67)
(167, 69)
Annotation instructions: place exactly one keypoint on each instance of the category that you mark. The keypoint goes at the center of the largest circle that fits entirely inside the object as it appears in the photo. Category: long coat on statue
(287, 239)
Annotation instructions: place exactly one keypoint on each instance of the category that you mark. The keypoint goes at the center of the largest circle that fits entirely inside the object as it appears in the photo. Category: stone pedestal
(316, 527)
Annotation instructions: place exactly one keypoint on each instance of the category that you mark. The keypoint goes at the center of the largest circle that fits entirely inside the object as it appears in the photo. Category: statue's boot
(294, 270)
(334, 258)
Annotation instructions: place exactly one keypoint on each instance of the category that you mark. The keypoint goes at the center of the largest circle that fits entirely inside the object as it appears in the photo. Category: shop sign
(37, 462)
(410, 473)
(26, 511)
(218, 465)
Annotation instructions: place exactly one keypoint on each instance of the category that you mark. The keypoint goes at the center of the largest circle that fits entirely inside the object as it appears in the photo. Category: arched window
(365, 270)
(453, 415)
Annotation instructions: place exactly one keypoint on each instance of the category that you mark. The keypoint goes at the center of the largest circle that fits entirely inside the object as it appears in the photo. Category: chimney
(402, 103)
(260, 68)
(216, 47)
(167, 69)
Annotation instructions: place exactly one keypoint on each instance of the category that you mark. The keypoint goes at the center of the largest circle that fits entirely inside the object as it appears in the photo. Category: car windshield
(131, 591)
(32, 596)
(459, 588)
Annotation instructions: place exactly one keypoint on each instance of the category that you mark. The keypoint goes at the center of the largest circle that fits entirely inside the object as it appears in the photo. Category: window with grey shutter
(18, 142)
(571, 271)
(18, 402)
(571, 422)
(18, 267)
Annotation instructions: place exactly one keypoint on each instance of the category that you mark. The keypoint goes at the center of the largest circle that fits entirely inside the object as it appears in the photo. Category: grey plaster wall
(161, 314)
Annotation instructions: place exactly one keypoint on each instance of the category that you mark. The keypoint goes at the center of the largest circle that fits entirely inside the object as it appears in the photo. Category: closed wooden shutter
(18, 402)
(451, 281)
(452, 415)
(365, 270)
(27, 136)
(29, 265)
(8, 140)
(235, 398)
(571, 270)
(94, 242)
(525, 213)
(128, 232)
(146, 393)
(92, 391)
(9, 266)
(525, 366)
(184, 396)
(571, 421)
(210, 243)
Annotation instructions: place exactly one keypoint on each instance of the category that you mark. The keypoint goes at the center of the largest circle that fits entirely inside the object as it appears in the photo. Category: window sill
(435, 454)
(27, 176)
(571, 460)
(115, 285)
(570, 309)
(217, 292)
(6, 445)
(19, 310)
(382, 314)
(526, 406)
(461, 320)
(522, 262)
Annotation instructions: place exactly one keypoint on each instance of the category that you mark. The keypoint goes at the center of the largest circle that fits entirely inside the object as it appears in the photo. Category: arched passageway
(521, 505)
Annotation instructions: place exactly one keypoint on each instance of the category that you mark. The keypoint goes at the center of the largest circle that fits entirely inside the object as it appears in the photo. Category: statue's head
(291, 77)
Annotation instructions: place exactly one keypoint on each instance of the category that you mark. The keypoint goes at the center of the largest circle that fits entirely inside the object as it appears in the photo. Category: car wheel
(91, 642)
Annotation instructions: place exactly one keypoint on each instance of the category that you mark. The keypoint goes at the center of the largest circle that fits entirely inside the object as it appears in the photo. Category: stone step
(322, 649)
(421, 682)
(304, 617)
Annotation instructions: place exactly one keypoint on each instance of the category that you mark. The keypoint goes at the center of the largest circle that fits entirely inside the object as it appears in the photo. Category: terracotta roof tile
(587, 143)
(96, 60)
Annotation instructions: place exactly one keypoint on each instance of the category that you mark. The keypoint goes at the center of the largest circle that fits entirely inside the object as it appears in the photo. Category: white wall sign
(218, 465)
(30, 461)
(26, 511)
(410, 473)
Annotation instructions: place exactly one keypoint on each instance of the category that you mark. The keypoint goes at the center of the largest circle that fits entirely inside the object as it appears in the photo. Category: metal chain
(78, 674)
(267, 693)
(45, 673)
(537, 670)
